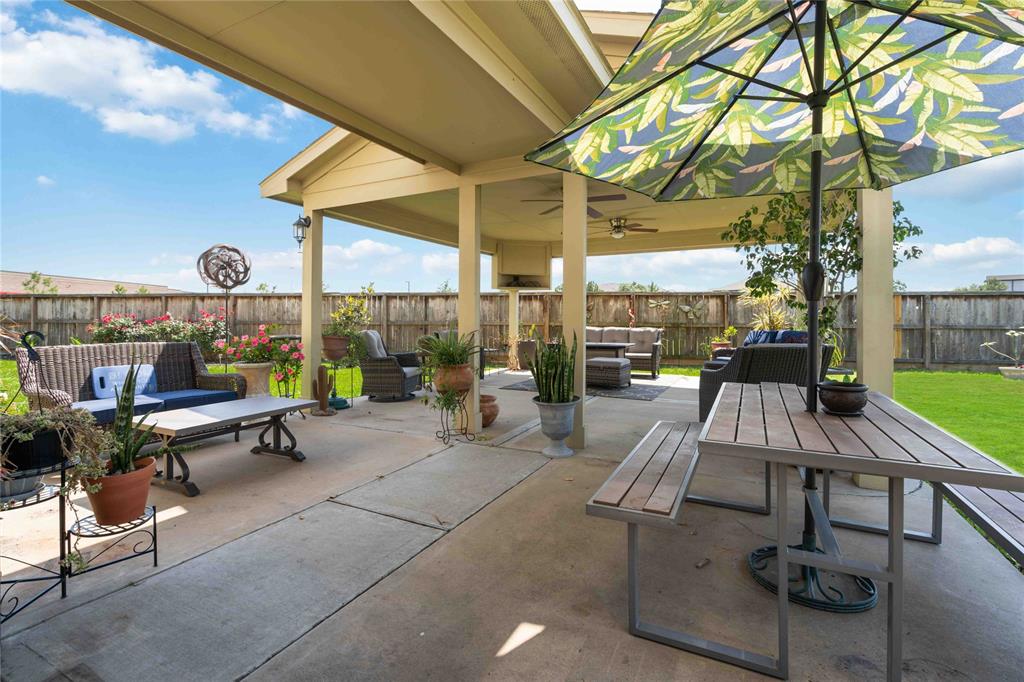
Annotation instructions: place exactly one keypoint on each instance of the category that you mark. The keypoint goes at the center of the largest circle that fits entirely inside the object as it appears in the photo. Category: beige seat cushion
(594, 334)
(615, 335)
(412, 371)
(643, 339)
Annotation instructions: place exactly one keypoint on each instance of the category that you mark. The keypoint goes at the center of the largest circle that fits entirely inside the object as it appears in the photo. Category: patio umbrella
(746, 97)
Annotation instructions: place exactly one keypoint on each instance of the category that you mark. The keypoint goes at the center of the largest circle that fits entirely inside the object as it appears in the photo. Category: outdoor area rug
(634, 392)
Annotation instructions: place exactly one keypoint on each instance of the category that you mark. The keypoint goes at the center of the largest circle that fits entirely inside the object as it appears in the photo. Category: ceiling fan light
(618, 234)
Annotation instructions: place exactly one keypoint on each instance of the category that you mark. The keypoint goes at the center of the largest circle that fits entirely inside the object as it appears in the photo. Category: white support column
(513, 325)
(469, 287)
(574, 287)
(312, 298)
(875, 335)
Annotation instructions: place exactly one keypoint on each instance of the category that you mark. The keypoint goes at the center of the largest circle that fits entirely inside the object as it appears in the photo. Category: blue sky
(123, 160)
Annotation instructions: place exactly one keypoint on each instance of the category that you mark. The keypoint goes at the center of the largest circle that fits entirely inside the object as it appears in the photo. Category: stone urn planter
(556, 421)
(525, 350)
(843, 398)
(488, 409)
(257, 377)
(122, 498)
(1012, 372)
(335, 348)
(458, 378)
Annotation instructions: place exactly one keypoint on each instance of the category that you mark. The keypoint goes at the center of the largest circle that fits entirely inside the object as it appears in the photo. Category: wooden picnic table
(769, 422)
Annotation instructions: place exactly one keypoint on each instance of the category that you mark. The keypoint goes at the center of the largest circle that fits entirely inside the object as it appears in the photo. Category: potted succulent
(1016, 369)
(554, 369)
(846, 398)
(253, 358)
(723, 340)
(448, 355)
(351, 315)
(33, 443)
(117, 482)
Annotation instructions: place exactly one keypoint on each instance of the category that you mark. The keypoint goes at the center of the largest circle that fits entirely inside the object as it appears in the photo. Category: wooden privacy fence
(940, 330)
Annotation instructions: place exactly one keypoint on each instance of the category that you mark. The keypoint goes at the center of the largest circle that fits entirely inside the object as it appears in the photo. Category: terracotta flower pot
(335, 347)
(257, 377)
(488, 409)
(122, 498)
(721, 345)
(458, 378)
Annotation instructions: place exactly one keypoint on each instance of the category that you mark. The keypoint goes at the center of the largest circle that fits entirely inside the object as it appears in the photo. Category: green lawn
(983, 409)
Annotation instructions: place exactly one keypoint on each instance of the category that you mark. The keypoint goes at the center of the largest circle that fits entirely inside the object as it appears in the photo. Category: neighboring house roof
(11, 283)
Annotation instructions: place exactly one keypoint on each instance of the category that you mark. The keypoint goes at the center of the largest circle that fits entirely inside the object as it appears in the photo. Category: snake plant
(554, 369)
(128, 437)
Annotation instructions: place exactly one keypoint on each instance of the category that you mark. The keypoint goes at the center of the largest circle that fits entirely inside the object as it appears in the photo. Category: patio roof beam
(472, 35)
(145, 22)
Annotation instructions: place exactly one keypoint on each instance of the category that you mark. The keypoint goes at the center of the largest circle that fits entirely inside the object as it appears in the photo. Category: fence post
(547, 316)
(385, 321)
(32, 313)
(926, 316)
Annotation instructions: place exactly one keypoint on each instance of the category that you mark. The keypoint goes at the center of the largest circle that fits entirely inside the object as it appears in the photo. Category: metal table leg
(277, 426)
(895, 615)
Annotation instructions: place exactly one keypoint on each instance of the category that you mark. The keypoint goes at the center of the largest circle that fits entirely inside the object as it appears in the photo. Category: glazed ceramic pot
(122, 498)
(488, 409)
(458, 378)
(556, 421)
(843, 398)
(257, 377)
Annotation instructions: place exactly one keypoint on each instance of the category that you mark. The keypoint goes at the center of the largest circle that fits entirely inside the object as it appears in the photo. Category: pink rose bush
(125, 327)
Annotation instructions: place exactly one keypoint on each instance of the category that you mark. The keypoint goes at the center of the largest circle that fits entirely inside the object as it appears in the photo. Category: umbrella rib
(912, 53)
(767, 98)
(672, 74)
(751, 79)
(853, 105)
(928, 19)
(800, 40)
(725, 111)
(878, 41)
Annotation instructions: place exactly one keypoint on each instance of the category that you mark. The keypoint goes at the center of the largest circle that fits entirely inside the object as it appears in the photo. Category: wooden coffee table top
(191, 420)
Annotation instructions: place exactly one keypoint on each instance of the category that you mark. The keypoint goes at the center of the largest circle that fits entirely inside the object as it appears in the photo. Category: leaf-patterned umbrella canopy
(714, 100)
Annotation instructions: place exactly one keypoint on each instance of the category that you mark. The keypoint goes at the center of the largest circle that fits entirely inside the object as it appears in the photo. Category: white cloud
(974, 253)
(289, 112)
(120, 80)
(45, 181)
(702, 269)
(445, 264)
(367, 255)
(973, 182)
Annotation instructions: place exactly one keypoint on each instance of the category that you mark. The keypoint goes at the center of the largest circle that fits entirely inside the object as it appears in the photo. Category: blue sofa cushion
(106, 379)
(192, 397)
(103, 409)
(791, 336)
(755, 337)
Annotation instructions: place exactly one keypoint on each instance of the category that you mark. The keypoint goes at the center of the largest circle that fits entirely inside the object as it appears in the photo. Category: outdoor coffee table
(608, 349)
(187, 425)
(769, 423)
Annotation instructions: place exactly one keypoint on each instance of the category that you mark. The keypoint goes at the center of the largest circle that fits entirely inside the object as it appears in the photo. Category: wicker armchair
(66, 370)
(388, 377)
(785, 363)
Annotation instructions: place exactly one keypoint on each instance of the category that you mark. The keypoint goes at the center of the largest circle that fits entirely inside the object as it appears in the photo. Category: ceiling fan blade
(593, 212)
(608, 197)
(641, 229)
(526, 200)
(550, 210)
(632, 225)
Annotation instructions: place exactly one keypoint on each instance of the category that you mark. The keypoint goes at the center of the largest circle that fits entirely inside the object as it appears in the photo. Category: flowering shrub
(121, 328)
(288, 359)
(287, 356)
(257, 348)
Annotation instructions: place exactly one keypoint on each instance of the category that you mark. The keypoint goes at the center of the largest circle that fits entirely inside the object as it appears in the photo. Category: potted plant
(723, 340)
(351, 315)
(554, 370)
(449, 356)
(846, 398)
(287, 358)
(118, 484)
(254, 359)
(1016, 370)
(33, 443)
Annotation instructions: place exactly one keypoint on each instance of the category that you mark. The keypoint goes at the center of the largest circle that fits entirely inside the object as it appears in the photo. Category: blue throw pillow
(106, 379)
(755, 337)
(792, 336)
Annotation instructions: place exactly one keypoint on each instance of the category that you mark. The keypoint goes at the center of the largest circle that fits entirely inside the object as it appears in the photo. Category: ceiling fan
(620, 226)
(591, 211)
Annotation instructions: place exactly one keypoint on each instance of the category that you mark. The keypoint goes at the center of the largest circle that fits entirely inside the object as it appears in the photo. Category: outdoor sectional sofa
(65, 377)
(644, 354)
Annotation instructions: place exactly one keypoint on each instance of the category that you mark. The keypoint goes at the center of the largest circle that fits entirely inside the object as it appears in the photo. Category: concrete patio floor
(388, 556)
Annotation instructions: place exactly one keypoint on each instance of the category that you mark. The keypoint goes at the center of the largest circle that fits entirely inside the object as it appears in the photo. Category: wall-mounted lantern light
(299, 228)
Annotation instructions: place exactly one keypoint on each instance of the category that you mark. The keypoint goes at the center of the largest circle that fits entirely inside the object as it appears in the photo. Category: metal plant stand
(336, 401)
(12, 604)
(145, 541)
(451, 417)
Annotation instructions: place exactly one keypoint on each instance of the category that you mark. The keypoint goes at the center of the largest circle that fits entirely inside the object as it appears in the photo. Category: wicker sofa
(644, 355)
(182, 380)
(785, 363)
(388, 376)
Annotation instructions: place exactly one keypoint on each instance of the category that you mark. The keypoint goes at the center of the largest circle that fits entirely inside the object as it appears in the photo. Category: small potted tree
(1016, 355)
(724, 340)
(351, 315)
(554, 370)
